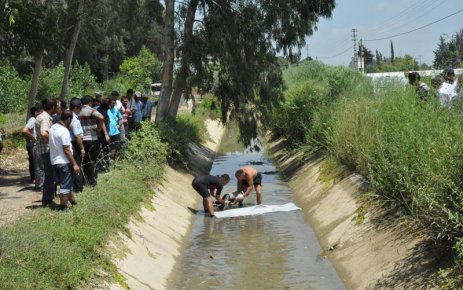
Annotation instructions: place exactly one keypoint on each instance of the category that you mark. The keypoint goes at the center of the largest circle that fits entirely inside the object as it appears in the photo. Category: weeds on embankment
(56, 250)
(411, 151)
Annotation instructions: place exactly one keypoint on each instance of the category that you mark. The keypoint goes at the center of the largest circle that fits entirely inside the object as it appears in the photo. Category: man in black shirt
(207, 185)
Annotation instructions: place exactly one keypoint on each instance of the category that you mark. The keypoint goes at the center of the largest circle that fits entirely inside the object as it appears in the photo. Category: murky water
(271, 251)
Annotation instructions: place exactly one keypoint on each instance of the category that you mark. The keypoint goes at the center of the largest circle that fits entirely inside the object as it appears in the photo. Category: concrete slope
(369, 248)
(158, 236)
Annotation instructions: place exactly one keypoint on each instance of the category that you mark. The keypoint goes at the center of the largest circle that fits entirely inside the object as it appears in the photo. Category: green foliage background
(410, 151)
(141, 70)
(13, 90)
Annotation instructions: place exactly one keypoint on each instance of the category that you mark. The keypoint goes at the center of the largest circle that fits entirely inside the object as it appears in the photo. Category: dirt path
(17, 196)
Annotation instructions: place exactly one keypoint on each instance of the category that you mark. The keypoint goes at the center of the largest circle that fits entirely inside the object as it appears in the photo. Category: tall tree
(184, 71)
(449, 53)
(379, 57)
(235, 44)
(34, 30)
(115, 30)
(168, 67)
(367, 56)
(392, 52)
(70, 50)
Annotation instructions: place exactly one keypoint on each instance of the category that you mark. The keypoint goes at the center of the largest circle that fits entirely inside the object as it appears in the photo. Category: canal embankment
(369, 248)
(147, 253)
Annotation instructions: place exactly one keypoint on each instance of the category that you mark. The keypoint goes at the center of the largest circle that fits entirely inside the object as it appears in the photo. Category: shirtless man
(248, 178)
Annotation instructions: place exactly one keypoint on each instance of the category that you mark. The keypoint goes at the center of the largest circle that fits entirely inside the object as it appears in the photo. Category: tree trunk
(38, 58)
(181, 80)
(168, 67)
(70, 51)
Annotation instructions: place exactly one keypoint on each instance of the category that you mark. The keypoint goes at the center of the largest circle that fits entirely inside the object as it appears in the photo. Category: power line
(394, 22)
(413, 30)
(341, 53)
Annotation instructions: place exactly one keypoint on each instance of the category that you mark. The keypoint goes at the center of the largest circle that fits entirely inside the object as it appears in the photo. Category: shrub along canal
(271, 251)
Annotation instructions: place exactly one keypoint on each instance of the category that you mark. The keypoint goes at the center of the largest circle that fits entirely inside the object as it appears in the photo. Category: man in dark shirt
(207, 185)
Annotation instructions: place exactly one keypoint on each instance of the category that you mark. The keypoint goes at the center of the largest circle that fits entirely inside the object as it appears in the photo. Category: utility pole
(354, 38)
(361, 60)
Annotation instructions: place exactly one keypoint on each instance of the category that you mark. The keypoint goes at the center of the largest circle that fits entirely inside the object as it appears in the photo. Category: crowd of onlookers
(445, 86)
(70, 145)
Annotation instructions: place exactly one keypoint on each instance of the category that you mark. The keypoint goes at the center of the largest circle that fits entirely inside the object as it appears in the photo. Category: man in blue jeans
(62, 159)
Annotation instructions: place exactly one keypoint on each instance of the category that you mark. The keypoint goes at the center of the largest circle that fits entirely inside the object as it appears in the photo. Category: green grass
(410, 151)
(55, 250)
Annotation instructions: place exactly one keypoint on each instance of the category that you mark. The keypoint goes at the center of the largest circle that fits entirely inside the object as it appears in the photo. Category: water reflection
(271, 251)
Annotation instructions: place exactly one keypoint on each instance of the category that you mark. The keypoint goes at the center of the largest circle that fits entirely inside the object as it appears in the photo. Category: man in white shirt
(36, 173)
(450, 86)
(62, 159)
(442, 90)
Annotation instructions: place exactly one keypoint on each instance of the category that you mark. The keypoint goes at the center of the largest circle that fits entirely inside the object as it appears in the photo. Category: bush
(13, 92)
(209, 107)
(140, 70)
(312, 89)
(178, 133)
(81, 82)
(411, 152)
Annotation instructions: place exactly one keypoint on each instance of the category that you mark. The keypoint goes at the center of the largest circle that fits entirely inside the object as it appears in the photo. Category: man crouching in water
(248, 178)
(207, 185)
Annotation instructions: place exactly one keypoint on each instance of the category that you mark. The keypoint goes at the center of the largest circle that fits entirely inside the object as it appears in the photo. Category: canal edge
(157, 238)
(376, 253)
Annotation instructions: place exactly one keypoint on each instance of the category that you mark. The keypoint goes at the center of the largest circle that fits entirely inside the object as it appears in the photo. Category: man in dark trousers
(78, 149)
(207, 185)
(93, 126)
(43, 124)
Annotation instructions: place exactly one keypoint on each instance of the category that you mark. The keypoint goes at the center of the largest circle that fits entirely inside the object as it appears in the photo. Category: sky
(375, 19)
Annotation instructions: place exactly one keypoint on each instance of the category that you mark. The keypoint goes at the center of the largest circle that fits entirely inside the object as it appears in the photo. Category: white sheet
(255, 210)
